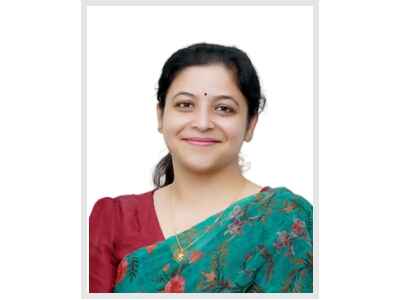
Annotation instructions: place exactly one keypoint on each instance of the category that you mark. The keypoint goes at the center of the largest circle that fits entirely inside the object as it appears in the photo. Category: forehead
(210, 79)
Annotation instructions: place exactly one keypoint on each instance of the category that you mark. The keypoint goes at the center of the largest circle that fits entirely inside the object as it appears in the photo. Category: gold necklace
(180, 253)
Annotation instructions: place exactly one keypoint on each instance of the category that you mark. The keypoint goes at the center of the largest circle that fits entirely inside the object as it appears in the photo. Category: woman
(204, 227)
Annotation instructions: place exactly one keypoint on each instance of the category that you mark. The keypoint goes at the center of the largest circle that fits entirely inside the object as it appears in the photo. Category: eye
(226, 109)
(183, 105)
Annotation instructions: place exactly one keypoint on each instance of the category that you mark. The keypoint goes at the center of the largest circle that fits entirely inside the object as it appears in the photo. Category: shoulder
(111, 214)
(114, 205)
(281, 198)
(102, 207)
(286, 210)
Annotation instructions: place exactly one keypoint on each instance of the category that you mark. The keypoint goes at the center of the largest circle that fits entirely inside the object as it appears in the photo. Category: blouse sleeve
(287, 256)
(102, 263)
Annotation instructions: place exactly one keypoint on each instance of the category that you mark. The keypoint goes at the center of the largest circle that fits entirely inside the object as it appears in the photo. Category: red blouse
(117, 227)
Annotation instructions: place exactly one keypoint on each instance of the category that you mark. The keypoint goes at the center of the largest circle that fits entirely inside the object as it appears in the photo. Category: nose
(202, 119)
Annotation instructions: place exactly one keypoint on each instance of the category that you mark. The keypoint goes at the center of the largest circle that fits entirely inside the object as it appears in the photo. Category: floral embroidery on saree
(259, 244)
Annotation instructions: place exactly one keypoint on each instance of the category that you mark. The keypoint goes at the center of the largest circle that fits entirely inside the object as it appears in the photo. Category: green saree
(258, 244)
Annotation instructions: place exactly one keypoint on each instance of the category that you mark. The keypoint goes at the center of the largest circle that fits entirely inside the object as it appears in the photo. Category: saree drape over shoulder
(258, 244)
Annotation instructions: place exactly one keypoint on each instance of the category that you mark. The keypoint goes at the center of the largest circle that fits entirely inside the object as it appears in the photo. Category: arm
(102, 263)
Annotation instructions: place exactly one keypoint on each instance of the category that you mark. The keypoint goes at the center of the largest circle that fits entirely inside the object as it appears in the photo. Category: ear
(250, 130)
(159, 117)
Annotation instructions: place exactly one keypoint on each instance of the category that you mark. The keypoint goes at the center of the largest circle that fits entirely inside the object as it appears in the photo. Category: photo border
(84, 240)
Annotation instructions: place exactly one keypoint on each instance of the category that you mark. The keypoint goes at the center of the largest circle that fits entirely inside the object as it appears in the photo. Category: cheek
(234, 131)
(174, 124)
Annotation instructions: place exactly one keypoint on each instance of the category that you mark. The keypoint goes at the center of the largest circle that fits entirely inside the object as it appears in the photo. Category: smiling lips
(201, 141)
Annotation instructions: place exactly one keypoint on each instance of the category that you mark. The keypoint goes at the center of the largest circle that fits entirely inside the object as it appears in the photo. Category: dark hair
(232, 58)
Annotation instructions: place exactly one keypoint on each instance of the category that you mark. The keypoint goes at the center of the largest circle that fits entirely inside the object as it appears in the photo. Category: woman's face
(204, 102)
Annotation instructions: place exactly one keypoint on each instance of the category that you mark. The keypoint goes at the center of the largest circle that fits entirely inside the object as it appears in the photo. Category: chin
(203, 166)
(199, 166)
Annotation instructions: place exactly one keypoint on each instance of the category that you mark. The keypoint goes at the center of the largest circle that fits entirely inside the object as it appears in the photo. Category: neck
(204, 191)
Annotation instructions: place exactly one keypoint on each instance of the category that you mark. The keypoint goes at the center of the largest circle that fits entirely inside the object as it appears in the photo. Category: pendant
(179, 255)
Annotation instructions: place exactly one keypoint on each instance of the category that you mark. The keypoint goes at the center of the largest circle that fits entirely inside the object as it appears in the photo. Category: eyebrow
(216, 97)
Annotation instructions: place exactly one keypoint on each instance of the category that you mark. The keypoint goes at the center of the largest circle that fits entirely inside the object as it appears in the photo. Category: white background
(127, 48)
(40, 149)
